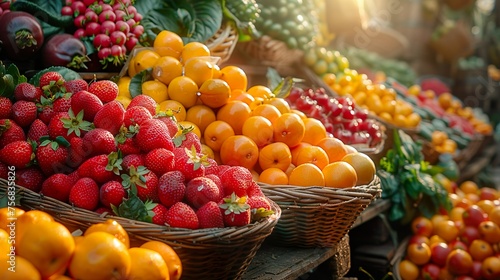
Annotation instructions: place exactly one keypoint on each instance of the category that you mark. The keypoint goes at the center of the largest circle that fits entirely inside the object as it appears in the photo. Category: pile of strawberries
(73, 141)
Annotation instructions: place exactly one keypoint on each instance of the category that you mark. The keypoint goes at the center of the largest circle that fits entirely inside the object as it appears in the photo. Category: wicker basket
(223, 253)
(317, 216)
(223, 42)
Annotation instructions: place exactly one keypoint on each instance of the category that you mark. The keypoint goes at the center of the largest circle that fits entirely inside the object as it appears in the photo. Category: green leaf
(133, 208)
(7, 86)
(14, 72)
(67, 74)
(136, 82)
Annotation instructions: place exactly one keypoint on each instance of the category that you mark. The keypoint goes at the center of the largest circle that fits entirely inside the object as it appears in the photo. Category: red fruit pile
(339, 115)
(74, 142)
(112, 26)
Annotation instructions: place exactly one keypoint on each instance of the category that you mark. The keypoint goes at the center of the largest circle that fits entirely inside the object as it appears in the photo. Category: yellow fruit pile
(442, 144)
(34, 246)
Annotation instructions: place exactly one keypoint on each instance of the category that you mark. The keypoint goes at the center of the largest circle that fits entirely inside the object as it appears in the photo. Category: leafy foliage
(9, 78)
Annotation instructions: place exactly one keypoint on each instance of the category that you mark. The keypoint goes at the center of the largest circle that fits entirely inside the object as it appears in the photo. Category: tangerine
(184, 90)
(315, 131)
(112, 227)
(8, 213)
(340, 174)
(306, 174)
(289, 128)
(166, 68)
(235, 113)
(334, 148)
(235, 77)
(199, 69)
(201, 116)
(276, 154)
(260, 91)
(216, 133)
(169, 256)
(239, 150)
(312, 154)
(194, 49)
(147, 264)
(280, 103)
(175, 107)
(273, 176)
(156, 90)
(24, 270)
(364, 166)
(259, 129)
(168, 43)
(214, 93)
(267, 111)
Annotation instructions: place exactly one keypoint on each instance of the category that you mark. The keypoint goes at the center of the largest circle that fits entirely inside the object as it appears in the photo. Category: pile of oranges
(37, 247)
(241, 125)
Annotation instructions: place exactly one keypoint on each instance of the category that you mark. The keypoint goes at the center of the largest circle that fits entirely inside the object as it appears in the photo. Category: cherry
(348, 114)
(295, 93)
(362, 114)
(352, 125)
(304, 104)
(334, 107)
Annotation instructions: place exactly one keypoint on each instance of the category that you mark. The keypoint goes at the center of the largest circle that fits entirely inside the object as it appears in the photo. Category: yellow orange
(364, 166)
(259, 129)
(112, 227)
(334, 148)
(276, 154)
(289, 128)
(340, 174)
(315, 131)
(194, 49)
(306, 174)
(168, 43)
(169, 256)
(235, 77)
(147, 264)
(24, 270)
(273, 176)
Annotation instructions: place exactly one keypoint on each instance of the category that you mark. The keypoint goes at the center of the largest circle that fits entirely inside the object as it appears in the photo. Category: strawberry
(217, 182)
(144, 101)
(134, 160)
(258, 201)
(159, 161)
(136, 115)
(101, 168)
(10, 132)
(201, 190)
(187, 139)
(84, 194)
(128, 146)
(236, 211)
(102, 210)
(105, 90)
(31, 178)
(37, 130)
(77, 152)
(67, 125)
(5, 108)
(236, 179)
(86, 102)
(18, 153)
(254, 190)
(57, 186)
(190, 163)
(173, 128)
(74, 86)
(153, 134)
(24, 112)
(110, 117)
(99, 141)
(160, 214)
(181, 215)
(62, 104)
(50, 77)
(46, 112)
(52, 155)
(27, 92)
(73, 177)
(142, 182)
(210, 215)
(171, 188)
(112, 193)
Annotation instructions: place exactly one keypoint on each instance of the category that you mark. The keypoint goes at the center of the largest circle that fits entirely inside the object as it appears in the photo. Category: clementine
(239, 150)
(112, 227)
(147, 264)
(276, 154)
(306, 174)
(340, 174)
(169, 256)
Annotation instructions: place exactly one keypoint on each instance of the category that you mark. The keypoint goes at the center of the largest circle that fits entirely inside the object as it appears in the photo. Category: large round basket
(318, 216)
(223, 42)
(222, 253)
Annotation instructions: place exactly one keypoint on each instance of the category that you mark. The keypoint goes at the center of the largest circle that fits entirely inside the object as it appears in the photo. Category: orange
(456, 214)
(364, 166)
(340, 174)
(276, 154)
(48, 246)
(239, 150)
(7, 213)
(240, 95)
(147, 264)
(408, 270)
(259, 129)
(156, 90)
(312, 154)
(260, 91)
(494, 215)
(280, 103)
(273, 176)
(315, 131)
(125, 101)
(178, 110)
(486, 205)
(300, 113)
(24, 270)
(414, 90)
(29, 218)
(446, 230)
(480, 250)
(166, 68)
(188, 125)
(257, 101)
(4, 243)
(216, 133)
(350, 149)
(194, 49)
(333, 147)
(469, 187)
(169, 256)
(235, 113)
(168, 43)
(112, 227)
(289, 128)
(329, 78)
(123, 86)
(296, 150)
(235, 77)
(199, 69)
(267, 111)
(413, 120)
(60, 277)
(100, 256)
(418, 253)
(183, 90)
(306, 174)
(206, 150)
(201, 116)
(142, 60)
(214, 93)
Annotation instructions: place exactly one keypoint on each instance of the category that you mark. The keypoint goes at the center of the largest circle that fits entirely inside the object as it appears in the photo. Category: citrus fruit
(183, 90)
(125, 101)
(206, 150)
(267, 111)
(273, 176)
(189, 125)
(239, 150)
(194, 49)
(216, 133)
(364, 166)
(214, 93)
(240, 95)
(235, 113)
(4, 243)
(315, 131)
(289, 128)
(147, 264)
(235, 77)
(276, 154)
(259, 129)
(24, 270)
(260, 91)
(169, 256)
(340, 174)
(334, 148)
(296, 150)
(201, 116)
(280, 104)
(168, 43)
(176, 108)
(123, 86)
(143, 60)
(156, 90)
(166, 68)
(312, 154)
(7, 213)
(112, 227)
(306, 174)
(199, 70)
(29, 218)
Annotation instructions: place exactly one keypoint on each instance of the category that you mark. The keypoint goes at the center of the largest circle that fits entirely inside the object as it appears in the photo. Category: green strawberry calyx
(234, 204)
(182, 136)
(196, 159)
(135, 178)
(126, 132)
(115, 162)
(5, 126)
(76, 123)
(134, 208)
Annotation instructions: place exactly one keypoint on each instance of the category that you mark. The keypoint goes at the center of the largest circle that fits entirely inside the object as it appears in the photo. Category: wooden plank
(286, 263)
(375, 208)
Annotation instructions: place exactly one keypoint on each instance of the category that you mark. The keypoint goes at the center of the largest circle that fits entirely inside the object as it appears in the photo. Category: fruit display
(461, 243)
(323, 60)
(45, 248)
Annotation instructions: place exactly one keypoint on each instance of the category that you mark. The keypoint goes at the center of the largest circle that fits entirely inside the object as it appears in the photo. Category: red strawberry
(187, 139)
(217, 182)
(73, 177)
(254, 190)
(67, 125)
(236, 179)
(31, 178)
(181, 215)
(190, 163)
(106, 90)
(171, 188)
(10, 132)
(128, 147)
(102, 210)
(46, 113)
(5, 107)
(210, 215)
(99, 141)
(57, 186)
(134, 160)
(84, 194)
(112, 193)
(136, 115)
(101, 168)
(170, 122)
(201, 190)
(75, 86)
(142, 180)
(153, 134)
(62, 104)
(160, 214)
(24, 112)
(236, 211)
(18, 153)
(144, 101)
(77, 152)
(110, 117)
(27, 92)
(159, 161)
(86, 102)
(52, 157)
(37, 130)
(258, 201)
(50, 77)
